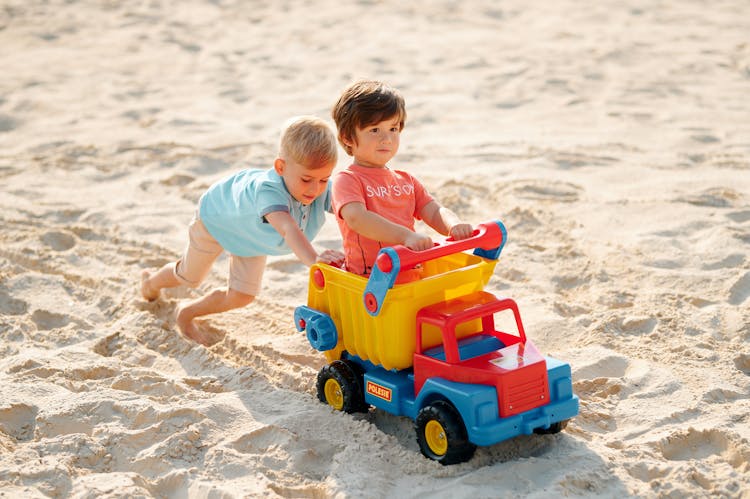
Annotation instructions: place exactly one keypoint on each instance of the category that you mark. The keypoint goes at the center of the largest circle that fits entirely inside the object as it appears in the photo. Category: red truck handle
(487, 236)
(487, 240)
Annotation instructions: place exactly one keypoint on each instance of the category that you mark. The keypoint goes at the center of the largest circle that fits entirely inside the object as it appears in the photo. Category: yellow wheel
(441, 434)
(334, 396)
(434, 435)
(340, 386)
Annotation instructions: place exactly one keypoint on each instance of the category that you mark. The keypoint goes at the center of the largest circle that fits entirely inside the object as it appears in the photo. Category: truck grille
(523, 389)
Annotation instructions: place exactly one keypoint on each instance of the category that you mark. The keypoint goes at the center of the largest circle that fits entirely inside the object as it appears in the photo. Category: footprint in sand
(634, 325)
(523, 219)
(201, 165)
(300, 452)
(569, 281)
(151, 384)
(740, 290)
(616, 299)
(462, 197)
(716, 197)
(639, 325)
(732, 261)
(18, 421)
(548, 191)
(124, 483)
(87, 233)
(565, 309)
(599, 385)
(10, 305)
(58, 241)
(608, 365)
(206, 384)
(636, 378)
(570, 160)
(741, 216)
(46, 320)
(705, 138)
(742, 362)
(177, 179)
(106, 347)
(8, 123)
(699, 445)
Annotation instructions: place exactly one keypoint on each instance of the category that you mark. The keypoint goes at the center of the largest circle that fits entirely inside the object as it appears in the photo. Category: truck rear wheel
(340, 387)
(553, 428)
(442, 435)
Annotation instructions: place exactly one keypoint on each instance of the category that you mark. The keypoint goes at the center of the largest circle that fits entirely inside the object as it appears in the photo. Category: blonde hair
(309, 141)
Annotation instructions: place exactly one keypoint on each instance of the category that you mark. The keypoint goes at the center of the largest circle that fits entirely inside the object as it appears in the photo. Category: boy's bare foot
(147, 291)
(191, 331)
(185, 324)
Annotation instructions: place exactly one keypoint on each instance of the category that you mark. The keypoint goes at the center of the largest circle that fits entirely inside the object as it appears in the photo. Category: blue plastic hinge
(319, 327)
(380, 282)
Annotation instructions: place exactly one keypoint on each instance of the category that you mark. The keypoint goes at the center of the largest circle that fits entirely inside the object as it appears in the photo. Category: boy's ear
(347, 141)
(279, 165)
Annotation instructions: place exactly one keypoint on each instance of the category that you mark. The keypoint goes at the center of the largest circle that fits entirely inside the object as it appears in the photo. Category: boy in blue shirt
(251, 214)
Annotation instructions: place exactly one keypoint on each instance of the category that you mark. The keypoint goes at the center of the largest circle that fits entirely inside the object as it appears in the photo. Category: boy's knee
(177, 272)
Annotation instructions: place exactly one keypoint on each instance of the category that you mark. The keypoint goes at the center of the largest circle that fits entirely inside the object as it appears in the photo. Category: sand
(611, 138)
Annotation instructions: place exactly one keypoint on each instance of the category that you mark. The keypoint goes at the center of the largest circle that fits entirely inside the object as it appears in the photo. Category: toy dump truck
(434, 349)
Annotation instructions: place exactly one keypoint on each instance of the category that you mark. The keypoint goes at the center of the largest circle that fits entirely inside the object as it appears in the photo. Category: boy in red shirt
(375, 206)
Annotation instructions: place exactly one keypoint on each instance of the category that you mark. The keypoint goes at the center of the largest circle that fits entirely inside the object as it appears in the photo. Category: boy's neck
(374, 167)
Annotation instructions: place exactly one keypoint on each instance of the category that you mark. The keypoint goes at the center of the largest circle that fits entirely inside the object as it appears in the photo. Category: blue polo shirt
(234, 209)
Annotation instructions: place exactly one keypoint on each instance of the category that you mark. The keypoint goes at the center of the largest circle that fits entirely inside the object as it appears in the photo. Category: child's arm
(374, 226)
(445, 221)
(296, 240)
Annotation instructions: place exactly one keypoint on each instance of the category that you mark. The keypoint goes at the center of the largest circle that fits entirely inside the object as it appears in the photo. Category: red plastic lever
(486, 236)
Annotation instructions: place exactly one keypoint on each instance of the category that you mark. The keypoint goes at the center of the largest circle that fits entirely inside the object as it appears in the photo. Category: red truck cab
(507, 361)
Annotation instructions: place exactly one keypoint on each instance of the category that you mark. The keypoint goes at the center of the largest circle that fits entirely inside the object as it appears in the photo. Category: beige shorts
(245, 272)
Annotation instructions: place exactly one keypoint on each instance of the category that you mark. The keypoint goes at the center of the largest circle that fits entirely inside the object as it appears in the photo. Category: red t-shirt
(392, 194)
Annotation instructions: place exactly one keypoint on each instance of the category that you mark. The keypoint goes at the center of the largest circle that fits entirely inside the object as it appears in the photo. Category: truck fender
(319, 327)
(477, 404)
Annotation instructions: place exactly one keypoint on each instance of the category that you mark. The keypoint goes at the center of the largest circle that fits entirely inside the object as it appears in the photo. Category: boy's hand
(461, 231)
(418, 242)
(331, 257)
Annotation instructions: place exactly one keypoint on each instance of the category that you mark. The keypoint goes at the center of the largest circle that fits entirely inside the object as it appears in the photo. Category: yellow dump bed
(388, 338)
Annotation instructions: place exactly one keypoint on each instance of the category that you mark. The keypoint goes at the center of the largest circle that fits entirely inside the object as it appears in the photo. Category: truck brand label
(379, 391)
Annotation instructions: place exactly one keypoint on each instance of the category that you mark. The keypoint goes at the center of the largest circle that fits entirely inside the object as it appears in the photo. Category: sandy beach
(611, 138)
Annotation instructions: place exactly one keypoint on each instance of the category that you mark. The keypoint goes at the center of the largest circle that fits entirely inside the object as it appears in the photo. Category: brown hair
(309, 141)
(364, 103)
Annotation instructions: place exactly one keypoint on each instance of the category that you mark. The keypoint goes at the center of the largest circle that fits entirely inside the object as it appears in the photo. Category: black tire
(340, 386)
(442, 435)
(553, 428)
(359, 373)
